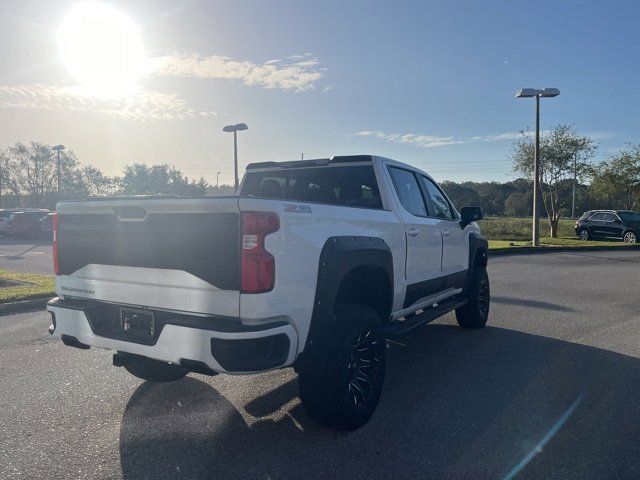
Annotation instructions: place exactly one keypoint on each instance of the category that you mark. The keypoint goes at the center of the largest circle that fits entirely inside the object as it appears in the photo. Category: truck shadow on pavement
(456, 404)
(531, 303)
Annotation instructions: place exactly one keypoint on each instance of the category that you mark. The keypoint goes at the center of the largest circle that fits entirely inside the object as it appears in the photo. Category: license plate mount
(137, 321)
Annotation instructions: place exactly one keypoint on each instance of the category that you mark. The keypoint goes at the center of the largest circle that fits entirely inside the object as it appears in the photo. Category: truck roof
(317, 162)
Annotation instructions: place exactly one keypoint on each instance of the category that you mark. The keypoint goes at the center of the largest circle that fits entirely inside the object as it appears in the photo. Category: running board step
(428, 315)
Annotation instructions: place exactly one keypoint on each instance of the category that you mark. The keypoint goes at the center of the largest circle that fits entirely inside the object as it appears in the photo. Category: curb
(23, 305)
(500, 252)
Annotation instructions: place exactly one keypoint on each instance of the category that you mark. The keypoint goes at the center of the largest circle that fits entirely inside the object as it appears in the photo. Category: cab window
(408, 191)
(439, 205)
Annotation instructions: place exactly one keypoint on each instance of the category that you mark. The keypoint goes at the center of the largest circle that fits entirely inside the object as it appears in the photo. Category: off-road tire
(340, 387)
(475, 312)
(154, 370)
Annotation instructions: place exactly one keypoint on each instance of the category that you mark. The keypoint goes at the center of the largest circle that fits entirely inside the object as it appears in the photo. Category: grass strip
(36, 286)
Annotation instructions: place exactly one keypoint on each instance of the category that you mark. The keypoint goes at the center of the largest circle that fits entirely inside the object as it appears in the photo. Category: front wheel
(475, 312)
(342, 386)
(630, 237)
(584, 234)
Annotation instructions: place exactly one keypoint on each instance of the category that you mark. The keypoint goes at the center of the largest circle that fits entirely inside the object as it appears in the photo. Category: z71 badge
(297, 208)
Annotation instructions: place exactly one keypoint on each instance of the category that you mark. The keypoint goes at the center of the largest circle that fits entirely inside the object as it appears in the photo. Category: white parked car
(313, 265)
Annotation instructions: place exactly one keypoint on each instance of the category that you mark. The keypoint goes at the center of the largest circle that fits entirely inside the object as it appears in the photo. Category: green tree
(617, 180)
(30, 171)
(518, 204)
(141, 179)
(97, 183)
(222, 190)
(460, 195)
(562, 153)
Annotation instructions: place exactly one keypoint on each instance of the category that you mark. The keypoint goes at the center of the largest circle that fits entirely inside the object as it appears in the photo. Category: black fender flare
(478, 245)
(341, 255)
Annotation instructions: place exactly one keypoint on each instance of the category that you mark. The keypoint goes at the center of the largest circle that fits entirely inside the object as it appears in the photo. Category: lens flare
(102, 49)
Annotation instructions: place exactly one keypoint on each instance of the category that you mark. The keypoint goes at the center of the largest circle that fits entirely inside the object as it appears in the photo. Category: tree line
(613, 183)
(28, 178)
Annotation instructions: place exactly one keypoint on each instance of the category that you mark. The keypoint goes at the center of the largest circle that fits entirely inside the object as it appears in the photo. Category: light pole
(218, 181)
(573, 192)
(537, 93)
(58, 149)
(238, 127)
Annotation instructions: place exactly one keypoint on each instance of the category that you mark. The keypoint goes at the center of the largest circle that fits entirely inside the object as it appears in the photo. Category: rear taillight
(56, 264)
(258, 265)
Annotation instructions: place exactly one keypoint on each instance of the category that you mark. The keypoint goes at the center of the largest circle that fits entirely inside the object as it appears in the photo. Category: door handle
(446, 233)
(413, 232)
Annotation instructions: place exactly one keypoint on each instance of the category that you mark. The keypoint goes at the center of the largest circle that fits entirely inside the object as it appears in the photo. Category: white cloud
(423, 141)
(297, 73)
(141, 106)
(432, 141)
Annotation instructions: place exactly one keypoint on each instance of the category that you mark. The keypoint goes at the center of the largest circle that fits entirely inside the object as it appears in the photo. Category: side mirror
(618, 221)
(469, 215)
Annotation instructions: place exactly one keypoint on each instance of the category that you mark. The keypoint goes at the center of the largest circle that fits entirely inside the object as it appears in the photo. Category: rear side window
(346, 186)
(408, 191)
(598, 217)
(630, 216)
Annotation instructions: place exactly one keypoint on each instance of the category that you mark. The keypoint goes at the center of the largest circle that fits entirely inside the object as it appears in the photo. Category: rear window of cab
(349, 186)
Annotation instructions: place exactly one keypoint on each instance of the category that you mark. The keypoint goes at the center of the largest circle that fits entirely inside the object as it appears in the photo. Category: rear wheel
(341, 388)
(629, 237)
(154, 370)
(584, 234)
(475, 312)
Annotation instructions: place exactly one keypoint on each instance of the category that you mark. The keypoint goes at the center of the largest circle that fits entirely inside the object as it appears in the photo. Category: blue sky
(428, 83)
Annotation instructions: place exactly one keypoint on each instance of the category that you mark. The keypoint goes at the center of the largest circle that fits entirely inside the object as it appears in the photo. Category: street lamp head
(57, 148)
(550, 92)
(527, 92)
(235, 128)
(535, 92)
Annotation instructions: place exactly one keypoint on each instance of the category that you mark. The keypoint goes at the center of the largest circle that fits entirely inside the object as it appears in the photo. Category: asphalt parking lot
(548, 390)
(26, 255)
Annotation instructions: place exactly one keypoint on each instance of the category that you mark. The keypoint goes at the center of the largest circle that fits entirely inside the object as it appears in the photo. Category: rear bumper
(239, 349)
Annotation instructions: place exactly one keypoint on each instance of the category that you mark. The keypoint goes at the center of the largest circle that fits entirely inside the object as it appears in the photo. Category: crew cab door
(455, 248)
(423, 235)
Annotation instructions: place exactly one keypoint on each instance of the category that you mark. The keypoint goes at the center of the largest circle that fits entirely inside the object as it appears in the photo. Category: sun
(102, 49)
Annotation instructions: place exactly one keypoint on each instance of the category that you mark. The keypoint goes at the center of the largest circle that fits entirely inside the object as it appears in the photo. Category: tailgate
(169, 253)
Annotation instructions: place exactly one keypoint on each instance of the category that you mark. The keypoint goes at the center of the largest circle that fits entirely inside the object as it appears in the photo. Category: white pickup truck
(313, 265)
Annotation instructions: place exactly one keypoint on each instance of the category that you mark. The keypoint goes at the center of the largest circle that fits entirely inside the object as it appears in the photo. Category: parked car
(4, 220)
(618, 224)
(313, 266)
(46, 225)
(25, 223)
